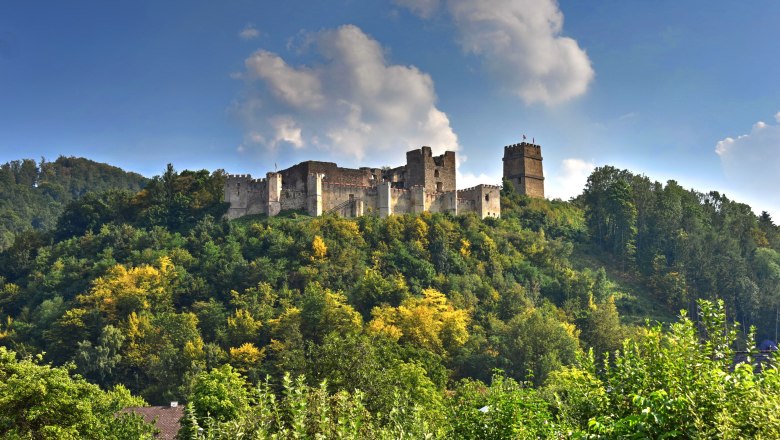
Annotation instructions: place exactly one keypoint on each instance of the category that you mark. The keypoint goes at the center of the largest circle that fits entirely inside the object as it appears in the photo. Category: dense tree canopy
(405, 326)
(687, 245)
(33, 194)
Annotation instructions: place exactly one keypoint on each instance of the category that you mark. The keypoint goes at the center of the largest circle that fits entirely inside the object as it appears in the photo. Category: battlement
(481, 185)
(244, 178)
(523, 167)
(426, 183)
(527, 149)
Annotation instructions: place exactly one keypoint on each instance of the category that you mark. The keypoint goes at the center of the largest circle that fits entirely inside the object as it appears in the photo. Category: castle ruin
(425, 183)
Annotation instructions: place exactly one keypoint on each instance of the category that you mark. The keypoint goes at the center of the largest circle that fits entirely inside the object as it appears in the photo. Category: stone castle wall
(425, 183)
(293, 200)
(246, 195)
(485, 200)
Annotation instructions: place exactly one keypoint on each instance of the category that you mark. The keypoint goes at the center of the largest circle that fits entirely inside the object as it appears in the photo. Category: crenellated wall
(523, 167)
(245, 195)
(425, 184)
(484, 200)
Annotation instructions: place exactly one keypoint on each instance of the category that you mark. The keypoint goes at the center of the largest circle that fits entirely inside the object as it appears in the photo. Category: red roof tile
(165, 418)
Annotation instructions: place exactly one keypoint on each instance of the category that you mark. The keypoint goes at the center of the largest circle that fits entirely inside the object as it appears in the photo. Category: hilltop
(153, 289)
(33, 194)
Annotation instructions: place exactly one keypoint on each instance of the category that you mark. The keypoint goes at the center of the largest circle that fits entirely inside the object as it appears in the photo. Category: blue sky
(675, 90)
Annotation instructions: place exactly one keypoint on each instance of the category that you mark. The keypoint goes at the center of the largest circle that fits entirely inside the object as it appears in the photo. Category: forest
(617, 314)
(33, 194)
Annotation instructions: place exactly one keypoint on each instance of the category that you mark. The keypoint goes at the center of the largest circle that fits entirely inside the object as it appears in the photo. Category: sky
(673, 90)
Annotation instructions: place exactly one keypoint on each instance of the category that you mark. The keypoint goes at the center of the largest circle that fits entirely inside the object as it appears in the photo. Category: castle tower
(523, 167)
(274, 187)
(314, 194)
(435, 174)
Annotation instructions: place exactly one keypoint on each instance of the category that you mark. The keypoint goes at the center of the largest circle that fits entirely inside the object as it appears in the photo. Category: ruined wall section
(446, 202)
(401, 201)
(484, 200)
(296, 177)
(425, 184)
(444, 172)
(435, 174)
(396, 176)
(523, 168)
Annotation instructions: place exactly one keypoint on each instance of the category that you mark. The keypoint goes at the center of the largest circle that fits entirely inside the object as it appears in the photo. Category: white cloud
(521, 44)
(569, 180)
(285, 130)
(299, 88)
(249, 33)
(421, 8)
(351, 102)
(777, 117)
(468, 180)
(750, 162)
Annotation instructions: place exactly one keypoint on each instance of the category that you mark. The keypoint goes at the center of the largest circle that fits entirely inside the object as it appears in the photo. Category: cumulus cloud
(300, 88)
(249, 32)
(521, 43)
(569, 180)
(286, 129)
(351, 103)
(468, 180)
(750, 161)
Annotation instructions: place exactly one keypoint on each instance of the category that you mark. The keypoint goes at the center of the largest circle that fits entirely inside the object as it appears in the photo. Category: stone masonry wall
(292, 199)
(343, 199)
(484, 200)
(401, 201)
(523, 168)
(425, 183)
(433, 173)
(245, 195)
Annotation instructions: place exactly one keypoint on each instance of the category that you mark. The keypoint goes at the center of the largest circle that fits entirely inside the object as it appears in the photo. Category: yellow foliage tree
(242, 327)
(429, 321)
(465, 248)
(123, 291)
(318, 248)
(324, 311)
(246, 358)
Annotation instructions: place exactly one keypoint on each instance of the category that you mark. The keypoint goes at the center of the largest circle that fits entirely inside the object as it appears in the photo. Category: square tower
(435, 174)
(523, 167)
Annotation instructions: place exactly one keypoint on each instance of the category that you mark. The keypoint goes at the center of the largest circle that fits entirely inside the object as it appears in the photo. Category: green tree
(219, 394)
(43, 402)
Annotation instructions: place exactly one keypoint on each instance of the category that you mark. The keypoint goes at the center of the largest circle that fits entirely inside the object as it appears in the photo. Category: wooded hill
(405, 326)
(33, 194)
